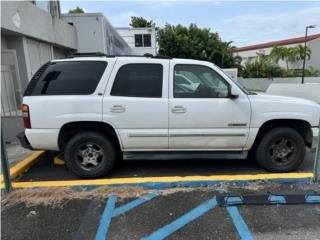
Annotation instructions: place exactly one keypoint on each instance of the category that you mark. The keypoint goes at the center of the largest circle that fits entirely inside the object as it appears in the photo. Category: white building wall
(314, 61)
(128, 35)
(314, 45)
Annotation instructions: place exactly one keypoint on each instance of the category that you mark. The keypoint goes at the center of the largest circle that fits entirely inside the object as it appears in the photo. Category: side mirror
(233, 93)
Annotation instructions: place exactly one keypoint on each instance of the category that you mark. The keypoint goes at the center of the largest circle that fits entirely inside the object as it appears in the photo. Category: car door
(202, 115)
(136, 103)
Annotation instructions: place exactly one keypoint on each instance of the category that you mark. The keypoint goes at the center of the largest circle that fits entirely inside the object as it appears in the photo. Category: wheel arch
(71, 128)
(301, 126)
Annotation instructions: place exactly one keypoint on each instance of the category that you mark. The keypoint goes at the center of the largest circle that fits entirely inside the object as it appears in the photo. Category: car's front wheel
(90, 155)
(281, 149)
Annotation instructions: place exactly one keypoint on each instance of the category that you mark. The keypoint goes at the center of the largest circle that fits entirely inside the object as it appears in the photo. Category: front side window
(67, 78)
(138, 80)
(196, 81)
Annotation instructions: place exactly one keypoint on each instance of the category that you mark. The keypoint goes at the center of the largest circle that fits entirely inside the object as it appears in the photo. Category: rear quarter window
(66, 78)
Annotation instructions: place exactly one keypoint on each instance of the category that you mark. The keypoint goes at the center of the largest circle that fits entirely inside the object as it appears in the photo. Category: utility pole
(5, 166)
(305, 51)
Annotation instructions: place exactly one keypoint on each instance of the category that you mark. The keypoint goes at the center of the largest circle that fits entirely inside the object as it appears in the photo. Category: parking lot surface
(134, 213)
(46, 170)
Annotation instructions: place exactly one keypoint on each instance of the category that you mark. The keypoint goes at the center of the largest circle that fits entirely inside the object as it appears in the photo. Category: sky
(242, 22)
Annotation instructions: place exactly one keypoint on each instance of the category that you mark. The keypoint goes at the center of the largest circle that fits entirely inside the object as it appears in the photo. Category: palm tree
(280, 53)
(290, 54)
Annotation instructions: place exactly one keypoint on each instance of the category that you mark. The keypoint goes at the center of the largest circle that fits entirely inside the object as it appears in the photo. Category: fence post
(316, 171)
(5, 166)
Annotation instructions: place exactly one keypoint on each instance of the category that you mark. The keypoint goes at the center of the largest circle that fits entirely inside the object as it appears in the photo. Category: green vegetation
(194, 42)
(141, 22)
(76, 10)
(267, 65)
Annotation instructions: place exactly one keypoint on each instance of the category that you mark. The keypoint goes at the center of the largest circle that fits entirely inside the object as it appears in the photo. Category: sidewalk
(16, 153)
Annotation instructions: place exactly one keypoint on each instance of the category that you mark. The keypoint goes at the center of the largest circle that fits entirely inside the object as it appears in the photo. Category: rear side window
(66, 78)
(138, 80)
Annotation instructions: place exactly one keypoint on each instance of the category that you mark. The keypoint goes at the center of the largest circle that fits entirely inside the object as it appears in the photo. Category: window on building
(142, 40)
(67, 78)
(138, 80)
(138, 42)
(147, 40)
(196, 81)
(44, 5)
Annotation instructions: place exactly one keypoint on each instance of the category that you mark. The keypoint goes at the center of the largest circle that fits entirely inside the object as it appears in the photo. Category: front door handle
(117, 109)
(179, 109)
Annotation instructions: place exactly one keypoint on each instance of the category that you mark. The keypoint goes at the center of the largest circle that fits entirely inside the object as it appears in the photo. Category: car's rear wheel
(90, 155)
(280, 150)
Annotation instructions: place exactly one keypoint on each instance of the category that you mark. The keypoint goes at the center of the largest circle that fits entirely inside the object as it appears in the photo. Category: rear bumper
(24, 141)
(315, 137)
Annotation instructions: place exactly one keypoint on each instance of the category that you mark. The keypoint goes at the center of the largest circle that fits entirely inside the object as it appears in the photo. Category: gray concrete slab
(16, 153)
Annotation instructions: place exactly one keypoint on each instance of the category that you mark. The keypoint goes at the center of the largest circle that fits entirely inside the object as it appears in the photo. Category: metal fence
(11, 95)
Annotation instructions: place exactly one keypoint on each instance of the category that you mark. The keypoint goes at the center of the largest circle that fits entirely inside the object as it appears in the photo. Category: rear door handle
(117, 109)
(179, 109)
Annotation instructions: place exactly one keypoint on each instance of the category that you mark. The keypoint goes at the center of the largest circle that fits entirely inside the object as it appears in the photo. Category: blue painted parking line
(277, 199)
(313, 198)
(182, 221)
(106, 218)
(239, 223)
(134, 203)
(110, 211)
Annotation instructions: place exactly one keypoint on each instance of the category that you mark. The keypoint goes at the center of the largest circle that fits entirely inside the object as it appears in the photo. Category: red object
(277, 43)
(26, 116)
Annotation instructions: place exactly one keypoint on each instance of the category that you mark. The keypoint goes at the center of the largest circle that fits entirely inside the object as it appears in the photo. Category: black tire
(85, 150)
(281, 149)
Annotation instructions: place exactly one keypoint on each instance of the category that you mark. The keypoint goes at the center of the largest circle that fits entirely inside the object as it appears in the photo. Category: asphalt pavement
(188, 213)
(46, 170)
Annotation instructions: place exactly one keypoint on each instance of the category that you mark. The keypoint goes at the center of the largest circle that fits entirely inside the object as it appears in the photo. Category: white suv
(99, 109)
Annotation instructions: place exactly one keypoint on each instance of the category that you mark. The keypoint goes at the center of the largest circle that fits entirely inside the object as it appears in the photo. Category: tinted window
(138, 80)
(138, 40)
(196, 81)
(67, 78)
(147, 40)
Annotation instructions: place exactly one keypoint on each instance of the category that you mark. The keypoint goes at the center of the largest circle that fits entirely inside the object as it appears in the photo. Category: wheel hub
(281, 149)
(90, 155)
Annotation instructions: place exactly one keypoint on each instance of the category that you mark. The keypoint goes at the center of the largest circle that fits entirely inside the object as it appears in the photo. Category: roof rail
(100, 54)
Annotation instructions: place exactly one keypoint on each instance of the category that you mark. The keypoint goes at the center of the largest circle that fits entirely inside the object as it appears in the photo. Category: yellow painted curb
(96, 182)
(24, 165)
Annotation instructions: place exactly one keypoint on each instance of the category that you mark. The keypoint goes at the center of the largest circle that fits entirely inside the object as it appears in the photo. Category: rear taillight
(26, 116)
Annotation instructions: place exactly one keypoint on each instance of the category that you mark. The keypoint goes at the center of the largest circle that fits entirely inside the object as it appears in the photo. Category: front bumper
(315, 137)
(24, 141)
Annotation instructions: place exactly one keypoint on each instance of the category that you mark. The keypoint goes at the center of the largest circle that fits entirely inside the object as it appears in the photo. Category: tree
(141, 22)
(290, 54)
(76, 10)
(194, 42)
(264, 67)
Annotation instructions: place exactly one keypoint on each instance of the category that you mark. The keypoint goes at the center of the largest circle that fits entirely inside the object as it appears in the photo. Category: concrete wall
(263, 83)
(128, 35)
(27, 19)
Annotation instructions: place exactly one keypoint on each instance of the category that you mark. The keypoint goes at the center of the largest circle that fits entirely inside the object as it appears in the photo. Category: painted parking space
(45, 170)
(181, 214)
